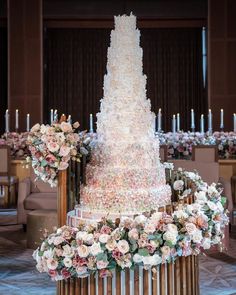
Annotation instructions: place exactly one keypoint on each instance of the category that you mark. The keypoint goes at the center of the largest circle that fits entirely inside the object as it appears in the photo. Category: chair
(34, 195)
(6, 179)
(163, 153)
(205, 153)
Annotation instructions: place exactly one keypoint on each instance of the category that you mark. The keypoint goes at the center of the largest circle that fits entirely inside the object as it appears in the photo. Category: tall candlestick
(51, 116)
(234, 122)
(28, 122)
(69, 119)
(17, 119)
(91, 123)
(159, 121)
(55, 117)
(210, 121)
(221, 119)
(174, 124)
(192, 120)
(7, 121)
(178, 122)
(202, 124)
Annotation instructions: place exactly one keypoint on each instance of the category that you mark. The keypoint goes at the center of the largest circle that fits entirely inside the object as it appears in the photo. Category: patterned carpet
(18, 274)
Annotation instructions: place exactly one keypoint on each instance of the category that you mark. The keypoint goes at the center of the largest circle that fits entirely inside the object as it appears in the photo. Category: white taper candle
(173, 124)
(202, 124)
(7, 121)
(221, 119)
(91, 123)
(192, 119)
(178, 122)
(28, 122)
(159, 121)
(210, 121)
(17, 119)
(51, 116)
(234, 122)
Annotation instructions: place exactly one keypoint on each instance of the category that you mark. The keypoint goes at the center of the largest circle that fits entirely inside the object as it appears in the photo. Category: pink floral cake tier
(125, 176)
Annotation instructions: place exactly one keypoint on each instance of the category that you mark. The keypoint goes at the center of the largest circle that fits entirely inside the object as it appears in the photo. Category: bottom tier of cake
(179, 278)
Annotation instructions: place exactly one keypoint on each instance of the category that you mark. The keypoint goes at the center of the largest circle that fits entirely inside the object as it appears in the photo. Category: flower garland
(180, 144)
(52, 147)
(17, 143)
(146, 240)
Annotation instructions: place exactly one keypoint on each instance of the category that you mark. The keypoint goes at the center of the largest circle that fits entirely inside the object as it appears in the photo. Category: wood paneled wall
(25, 61)
(222, 60)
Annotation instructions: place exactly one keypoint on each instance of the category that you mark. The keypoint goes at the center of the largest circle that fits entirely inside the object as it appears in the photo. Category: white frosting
(125, 173)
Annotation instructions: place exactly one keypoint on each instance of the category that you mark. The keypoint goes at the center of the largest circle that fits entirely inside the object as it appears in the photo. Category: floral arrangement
(17, 143)
(52, 147)
(146, 240)
(180, 144)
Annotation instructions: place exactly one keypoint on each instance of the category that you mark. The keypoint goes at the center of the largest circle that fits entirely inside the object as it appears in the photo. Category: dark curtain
(75, 63)
(3, 77)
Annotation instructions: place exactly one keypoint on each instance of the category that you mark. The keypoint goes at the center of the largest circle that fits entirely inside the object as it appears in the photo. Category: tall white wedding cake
(125, 175)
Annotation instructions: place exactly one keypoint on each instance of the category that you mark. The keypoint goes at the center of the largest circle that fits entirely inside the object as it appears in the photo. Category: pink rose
(66, 127)
(64, 151)
(102, 264)
(190, 228)
(65, 273)
(133, 234)
(53, 147)
(105, 230)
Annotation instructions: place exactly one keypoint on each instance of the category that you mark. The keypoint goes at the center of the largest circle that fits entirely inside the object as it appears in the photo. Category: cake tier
(125, 200)
(116, 178)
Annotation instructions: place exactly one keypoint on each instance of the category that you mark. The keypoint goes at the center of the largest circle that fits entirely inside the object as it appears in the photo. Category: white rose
(137, 258)
(152, 260)
(103, 238)
(58, 240)
(180, 214)
(197, 236)
(190, 228)
(35, 128)
(170, 236)
(201, 197)
(95, 249)
(123, 246)
(157, 216)
(89, 239)
(140, 219)
(206, 243)
(217, 228)
(149, 228)
(67, 251)
(172, 227)
(216, 240)
(83, 251)
(178, 185)
(52, 263)
(111, 244)
(67, 262)
(81, 235)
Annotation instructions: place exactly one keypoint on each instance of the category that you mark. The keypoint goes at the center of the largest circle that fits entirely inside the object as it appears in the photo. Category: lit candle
(69, 119)
(159, 121)
(210, 121)
(28, 122)
(174, 124)
(221, 119)
(55, 116)
(17, 119)
(202, 124)
(192, 120)
(178, 122)
(234, 122)
(91, 123)
(51, 116)
(7, 121)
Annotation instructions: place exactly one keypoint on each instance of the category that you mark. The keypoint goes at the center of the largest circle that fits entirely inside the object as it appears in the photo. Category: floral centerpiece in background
(180, 144)
(17, 143)
(52, 147)
(146, 240)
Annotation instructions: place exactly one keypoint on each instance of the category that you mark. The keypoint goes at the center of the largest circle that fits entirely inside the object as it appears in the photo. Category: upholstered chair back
(5, 158)
(205, 154)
